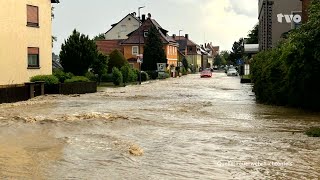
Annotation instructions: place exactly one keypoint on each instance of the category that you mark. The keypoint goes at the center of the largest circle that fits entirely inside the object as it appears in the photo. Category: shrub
(62, 76)
(107, 77)
(164, 76)
(48, 79)
(133, 77)
(116, 59)
(117, 76)
(77, 79)
(125, 70)
(184, 71)
(91, 76)
(313, 132)
(144, 76)
(152, 74)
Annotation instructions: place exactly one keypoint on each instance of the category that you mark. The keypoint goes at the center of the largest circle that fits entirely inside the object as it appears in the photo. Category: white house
(124, 27)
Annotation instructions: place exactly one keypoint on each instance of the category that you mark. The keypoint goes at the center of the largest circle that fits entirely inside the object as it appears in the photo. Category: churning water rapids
(185, 128)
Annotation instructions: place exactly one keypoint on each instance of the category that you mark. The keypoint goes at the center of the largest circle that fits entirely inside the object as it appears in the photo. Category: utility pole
(139, 43)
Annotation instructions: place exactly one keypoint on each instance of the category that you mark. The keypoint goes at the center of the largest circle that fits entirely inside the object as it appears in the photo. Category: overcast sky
(218, 21)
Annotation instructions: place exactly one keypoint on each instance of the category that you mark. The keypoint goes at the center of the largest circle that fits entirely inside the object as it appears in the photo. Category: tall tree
(224, 56)
(217, 60)
(253, 35)
(78, 53)
(99, 37)
(99, 66)
(237, 51)
(153, 51)
(116, 59)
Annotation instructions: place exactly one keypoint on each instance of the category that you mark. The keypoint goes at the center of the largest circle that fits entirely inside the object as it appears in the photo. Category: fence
(14, 94)
(72, 88)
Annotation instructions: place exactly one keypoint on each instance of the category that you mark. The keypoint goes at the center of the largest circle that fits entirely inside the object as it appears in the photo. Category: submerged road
(185, 128)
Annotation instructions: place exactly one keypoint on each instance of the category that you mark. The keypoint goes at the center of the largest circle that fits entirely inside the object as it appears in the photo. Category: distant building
(121, 29)
(25, 40)
(190, 49)
(270, 29)
(131, 45)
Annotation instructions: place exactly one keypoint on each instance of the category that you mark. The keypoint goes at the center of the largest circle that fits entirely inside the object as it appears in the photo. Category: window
(123, 28)
(135, 50)
(145, 34)
(33, 57)
(32, 16)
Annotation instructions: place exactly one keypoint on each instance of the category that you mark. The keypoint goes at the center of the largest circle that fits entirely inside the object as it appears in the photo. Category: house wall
(195, 60)
(16, 37)
(118, 33)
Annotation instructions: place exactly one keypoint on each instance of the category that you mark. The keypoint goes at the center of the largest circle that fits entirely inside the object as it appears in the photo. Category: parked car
(207, 73)
(232, 72)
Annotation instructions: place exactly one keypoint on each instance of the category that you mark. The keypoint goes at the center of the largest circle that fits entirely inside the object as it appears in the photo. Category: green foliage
(48, 79)
(62, 76)
(313, 132)
(116, 59)
(77, 79)
(107, 77)
(237, 52)
(287, 74)
(99, 37)
(253, 35)
(152, 74)
(164, 76)
(133, 77)
(184, 72)
(144, 76)
(153, 52)
(99, 66)
(217, 60)
(185, 63)
(125, 70)
(78, 53)
(91, 76)
(117, 76)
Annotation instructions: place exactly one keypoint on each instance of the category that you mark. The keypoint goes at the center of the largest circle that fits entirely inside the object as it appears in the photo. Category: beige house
(25, 40)
(124, 27)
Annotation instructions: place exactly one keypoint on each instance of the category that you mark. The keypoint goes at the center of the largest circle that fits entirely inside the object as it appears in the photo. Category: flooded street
(185, 128)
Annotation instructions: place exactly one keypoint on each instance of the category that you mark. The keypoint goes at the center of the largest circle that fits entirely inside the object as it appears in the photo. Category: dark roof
(55, 1)
(133, 37)
(113, 25)
(107, 46)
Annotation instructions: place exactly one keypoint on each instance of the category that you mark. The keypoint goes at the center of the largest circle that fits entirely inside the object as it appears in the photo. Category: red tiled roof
(183, 38)
(107, 46)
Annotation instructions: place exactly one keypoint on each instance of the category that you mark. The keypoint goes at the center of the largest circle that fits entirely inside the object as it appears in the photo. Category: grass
(313, 132)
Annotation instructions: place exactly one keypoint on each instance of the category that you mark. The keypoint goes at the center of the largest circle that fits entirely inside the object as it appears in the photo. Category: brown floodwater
(185, 128)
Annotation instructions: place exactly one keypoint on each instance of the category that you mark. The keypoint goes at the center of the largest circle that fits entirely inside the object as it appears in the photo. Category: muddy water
(187, 128)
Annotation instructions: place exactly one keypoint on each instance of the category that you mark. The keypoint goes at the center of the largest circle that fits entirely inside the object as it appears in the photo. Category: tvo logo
(289, 18)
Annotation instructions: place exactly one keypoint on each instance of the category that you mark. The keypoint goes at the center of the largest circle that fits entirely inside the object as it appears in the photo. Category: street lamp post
(139, 43)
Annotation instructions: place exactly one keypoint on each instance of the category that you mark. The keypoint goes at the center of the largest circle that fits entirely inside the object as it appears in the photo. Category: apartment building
(270, 29)
(25, 40)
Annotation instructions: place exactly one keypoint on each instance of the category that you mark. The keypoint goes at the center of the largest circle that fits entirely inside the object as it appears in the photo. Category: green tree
(116, 59)
(185, 63)
(224, 57)
(237, 52)
(153, 52)
(125, 70)
(217, 60)
(100, 66)
(99, 37)
(116, 76)
(253, 35)
(78, 53)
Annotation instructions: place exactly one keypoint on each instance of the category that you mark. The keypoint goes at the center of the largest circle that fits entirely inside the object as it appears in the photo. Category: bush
(313, 132)
(77, 79)
(164, 76)
(116, 59)
(153, 74)
(62, 76)
(117, 76)
(144, 76)
(133, 77)
(107, 77)
(91, 76)
(48, 79)
(184, 72)
(125, 70)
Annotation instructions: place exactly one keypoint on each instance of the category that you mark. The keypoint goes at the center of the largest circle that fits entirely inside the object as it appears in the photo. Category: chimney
(174, 36)
(143, 18)
(149, 16)
(187, 36)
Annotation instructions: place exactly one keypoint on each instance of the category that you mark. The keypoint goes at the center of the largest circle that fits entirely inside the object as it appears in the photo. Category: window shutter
(33, 50)
(32, 15)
